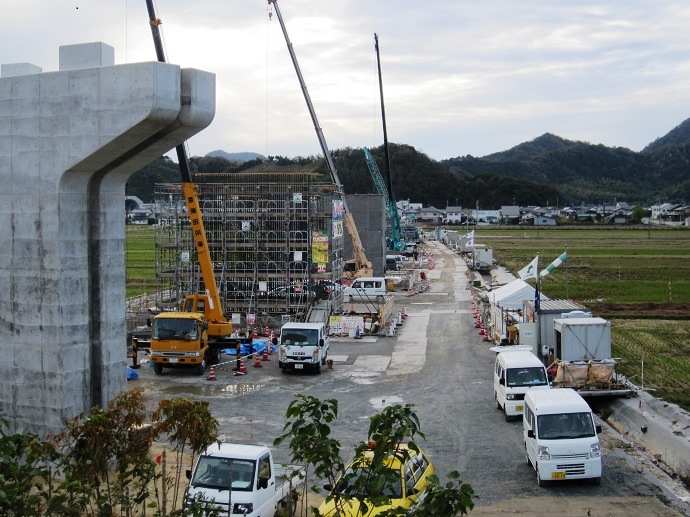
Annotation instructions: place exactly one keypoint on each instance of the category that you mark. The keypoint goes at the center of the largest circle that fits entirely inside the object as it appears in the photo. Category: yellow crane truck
(195, 335)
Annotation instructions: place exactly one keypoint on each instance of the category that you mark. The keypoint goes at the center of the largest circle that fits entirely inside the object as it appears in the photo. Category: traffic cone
(212, 373)
(398, 321)
(481, 332)
(270, 344)
(241, 369)
(402, 312)
(265, 356)
(486, 337)
(266, 331)
(391, 329)
(257, 361)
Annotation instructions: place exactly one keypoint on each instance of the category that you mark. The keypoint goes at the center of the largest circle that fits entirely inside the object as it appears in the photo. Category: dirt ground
(667, 310)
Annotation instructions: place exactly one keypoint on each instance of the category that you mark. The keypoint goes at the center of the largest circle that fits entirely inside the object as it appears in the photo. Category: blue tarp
(258, 346)
(132, 373)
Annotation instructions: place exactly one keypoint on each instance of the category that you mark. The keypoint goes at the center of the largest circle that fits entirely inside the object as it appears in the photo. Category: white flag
(530, 270)
(470, 240)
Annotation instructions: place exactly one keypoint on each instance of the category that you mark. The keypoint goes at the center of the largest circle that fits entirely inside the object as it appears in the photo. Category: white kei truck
(303, 346)
(242, 479)
(561, 436)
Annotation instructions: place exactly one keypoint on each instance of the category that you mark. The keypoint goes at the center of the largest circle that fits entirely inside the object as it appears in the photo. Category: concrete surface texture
(68, 142)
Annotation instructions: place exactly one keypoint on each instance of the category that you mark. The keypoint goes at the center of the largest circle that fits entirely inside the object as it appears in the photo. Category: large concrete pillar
(68, 142)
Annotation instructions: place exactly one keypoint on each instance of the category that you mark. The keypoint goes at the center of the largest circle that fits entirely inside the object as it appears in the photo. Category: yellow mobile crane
(362, 265)
(193, 336)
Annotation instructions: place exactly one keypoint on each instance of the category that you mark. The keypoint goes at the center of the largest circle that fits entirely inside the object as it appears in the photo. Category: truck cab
(242, 479)
(303, 346)
(179, 340)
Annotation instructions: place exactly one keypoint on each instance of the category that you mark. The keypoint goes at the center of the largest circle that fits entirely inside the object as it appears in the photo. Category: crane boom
(362, 264)
(189, 189)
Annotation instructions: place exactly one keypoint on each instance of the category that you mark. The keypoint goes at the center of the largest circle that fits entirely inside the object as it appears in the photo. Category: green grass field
(639, 279)
(140, 260)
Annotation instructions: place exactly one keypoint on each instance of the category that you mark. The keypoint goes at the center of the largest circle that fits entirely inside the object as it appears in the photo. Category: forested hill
(584, 172)
(546, 170)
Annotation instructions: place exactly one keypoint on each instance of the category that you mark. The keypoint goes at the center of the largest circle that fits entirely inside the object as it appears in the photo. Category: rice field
(638, 278)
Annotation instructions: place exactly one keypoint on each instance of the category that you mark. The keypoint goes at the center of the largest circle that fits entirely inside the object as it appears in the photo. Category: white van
(367, 289)
(561, 437)
(515, 373)
(395, 262)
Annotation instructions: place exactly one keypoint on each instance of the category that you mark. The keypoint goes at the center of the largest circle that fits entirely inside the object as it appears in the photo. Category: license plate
(299, 366)
(558, 475)
(519, 408)
(172, 360)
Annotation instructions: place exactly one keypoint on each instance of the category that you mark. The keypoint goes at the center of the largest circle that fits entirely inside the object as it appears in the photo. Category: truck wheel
(540, 481)
(158, 368)
(596, 481)
(323, 359)
(318, 368)
(498, 406)
(200, 368)
(214, 356)
(508, 417)
(529, 463)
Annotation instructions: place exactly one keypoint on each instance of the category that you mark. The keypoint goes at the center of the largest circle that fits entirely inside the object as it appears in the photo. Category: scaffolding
(275, 240)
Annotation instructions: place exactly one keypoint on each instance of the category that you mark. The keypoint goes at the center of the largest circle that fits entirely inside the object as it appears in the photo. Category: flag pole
(566, 274)
(537, 307)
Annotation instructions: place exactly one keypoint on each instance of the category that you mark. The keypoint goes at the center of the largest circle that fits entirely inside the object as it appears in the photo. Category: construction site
(275, 241)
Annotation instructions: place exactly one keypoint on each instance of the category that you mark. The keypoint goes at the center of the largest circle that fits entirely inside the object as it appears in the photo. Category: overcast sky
(459, 77)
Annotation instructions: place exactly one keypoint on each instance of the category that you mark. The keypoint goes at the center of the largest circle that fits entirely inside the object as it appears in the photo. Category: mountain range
(548, 170)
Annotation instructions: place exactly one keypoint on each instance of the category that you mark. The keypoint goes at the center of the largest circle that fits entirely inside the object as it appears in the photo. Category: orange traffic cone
(402, 313)
(241, 370)
(212, 374)
(257, 361)
(267, 331)
(270, 344)
(265, 356)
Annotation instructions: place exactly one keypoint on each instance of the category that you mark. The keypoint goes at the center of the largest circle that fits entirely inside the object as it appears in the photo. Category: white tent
(508, 298)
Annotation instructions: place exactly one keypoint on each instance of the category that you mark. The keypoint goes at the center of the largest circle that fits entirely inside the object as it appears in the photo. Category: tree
(308, 432)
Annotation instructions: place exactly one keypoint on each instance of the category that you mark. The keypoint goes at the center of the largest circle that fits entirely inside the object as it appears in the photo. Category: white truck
(303, 346)
(242, 479)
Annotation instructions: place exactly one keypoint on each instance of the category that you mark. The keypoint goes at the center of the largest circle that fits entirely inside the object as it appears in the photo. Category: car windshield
(526, 377)
(222, 473)
(169, 328)
(565, 426)
(357, 478)
(299, 337)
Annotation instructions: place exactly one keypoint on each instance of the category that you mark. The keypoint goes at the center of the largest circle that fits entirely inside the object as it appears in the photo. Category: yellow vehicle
(410, 470)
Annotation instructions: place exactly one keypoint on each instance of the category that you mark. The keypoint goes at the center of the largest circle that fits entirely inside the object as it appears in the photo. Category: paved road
(439, 363)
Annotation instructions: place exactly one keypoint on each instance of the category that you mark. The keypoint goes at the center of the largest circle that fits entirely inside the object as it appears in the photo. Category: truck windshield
(174, 328)
(299, 337)
(565, 426)
(223, 473)
(516, 377)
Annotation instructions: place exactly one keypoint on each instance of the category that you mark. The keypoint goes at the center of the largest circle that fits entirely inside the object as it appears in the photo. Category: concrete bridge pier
(68, 142)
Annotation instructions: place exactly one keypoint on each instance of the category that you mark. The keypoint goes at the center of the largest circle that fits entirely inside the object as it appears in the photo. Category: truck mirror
(321, 343)
(530, 434)
(502, 382)
(275, 341)
(263, 482)
(148, 322)
(598, 429)
(188, 473)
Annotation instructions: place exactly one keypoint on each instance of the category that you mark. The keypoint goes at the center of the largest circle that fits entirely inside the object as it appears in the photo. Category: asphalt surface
(439, 363)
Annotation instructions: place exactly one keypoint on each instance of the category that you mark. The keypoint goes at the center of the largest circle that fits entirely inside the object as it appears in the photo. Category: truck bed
(287, 475)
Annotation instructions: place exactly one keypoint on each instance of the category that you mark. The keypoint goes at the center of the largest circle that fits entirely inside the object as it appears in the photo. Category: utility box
(582, 339)
(549, 311)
